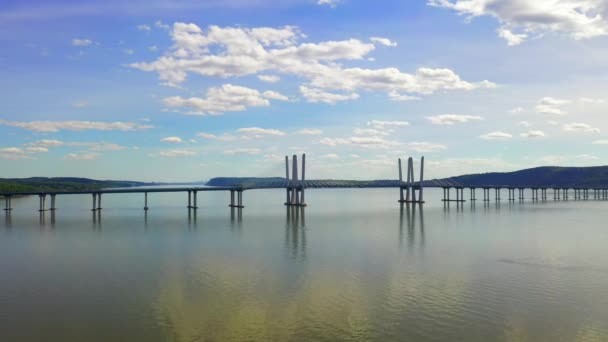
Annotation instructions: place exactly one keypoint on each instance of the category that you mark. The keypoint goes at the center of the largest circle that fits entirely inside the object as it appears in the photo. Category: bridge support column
(99, 201)
(7, 203)
(146, 201)
(94, 207)
(473, 194)
(295, 187)
(239, 199)
(43, 202)
(497, 194)
(189, 200)
(195, 195)
(410, 187)
(53, 208)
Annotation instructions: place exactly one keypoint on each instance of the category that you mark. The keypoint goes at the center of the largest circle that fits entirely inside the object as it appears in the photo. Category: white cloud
(383, 41)
(580, 19)
(92, 146)
(591, 100)
(161, 25)
(144, 27)
(381, 125)
(524, 124)
(237, 151)
(580, 127)
(173, 140)
(80, 104)
(330, 3)
(81, 42)
(317, 95)
(550, 105)
(561, 160)
(330, 156)
(511, 38)
(81, 156)
(153, 48)
(396, 96)
(56, 126)
(496, 136)
(365, 142)
(177, 153)
(516, 110)
(369, 131)
(129, 51)
(334, 141)
(269, 78)
(533, 134)
(257, 132)
(19, 153)
(273, 95)
(600, 142)
(309, 131)
(227, 98)
(424, 147)
(235, 52)
(450, 119)
(224, 137)
(48, 143)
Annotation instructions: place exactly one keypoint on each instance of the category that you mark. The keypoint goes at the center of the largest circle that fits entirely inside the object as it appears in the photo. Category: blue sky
(188, 90)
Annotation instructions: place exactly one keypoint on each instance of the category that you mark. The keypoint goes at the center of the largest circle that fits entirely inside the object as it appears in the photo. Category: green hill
(61, 183)
(544, 176)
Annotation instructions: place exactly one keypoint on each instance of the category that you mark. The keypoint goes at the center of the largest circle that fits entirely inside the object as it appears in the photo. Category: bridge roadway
(559, 192)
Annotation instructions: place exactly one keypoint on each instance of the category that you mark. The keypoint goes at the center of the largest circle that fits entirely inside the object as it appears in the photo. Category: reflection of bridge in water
(295, 184)
(412, 216)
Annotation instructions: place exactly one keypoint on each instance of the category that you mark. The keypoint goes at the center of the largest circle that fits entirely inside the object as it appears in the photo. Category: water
(352, 267)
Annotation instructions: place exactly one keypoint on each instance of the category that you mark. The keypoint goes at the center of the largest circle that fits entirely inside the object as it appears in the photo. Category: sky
(186, 90)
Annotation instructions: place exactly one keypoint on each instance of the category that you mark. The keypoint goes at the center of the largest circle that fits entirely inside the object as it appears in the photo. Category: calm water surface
(352, 267)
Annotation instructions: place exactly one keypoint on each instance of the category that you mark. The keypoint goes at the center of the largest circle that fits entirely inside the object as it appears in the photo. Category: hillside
(61, 183)
(594, 176)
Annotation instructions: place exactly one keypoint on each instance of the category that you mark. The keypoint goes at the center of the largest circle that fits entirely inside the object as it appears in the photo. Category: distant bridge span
(410, 190)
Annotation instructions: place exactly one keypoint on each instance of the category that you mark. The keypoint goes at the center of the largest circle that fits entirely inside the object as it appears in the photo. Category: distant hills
(544, 176)
(62, 183)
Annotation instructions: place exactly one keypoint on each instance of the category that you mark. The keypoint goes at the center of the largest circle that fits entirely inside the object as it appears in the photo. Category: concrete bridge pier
(586, 194)
(189, 200)
(53, 207)
(98, 201)
(195, 196)
(486, 194)
(7, 203)
(497, 194)
(511, 192)
(473, 198)
(565, 191)
(42, 198)
(521, 194)
(295, 187)
(146, 201)
(239, 199)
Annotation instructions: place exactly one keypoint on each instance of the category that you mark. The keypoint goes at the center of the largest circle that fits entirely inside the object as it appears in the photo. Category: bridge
(411, 191)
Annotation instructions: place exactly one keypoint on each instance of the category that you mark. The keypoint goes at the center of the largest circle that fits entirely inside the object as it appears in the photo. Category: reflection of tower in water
(413, 215)
(295, 232)
(8, 219)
